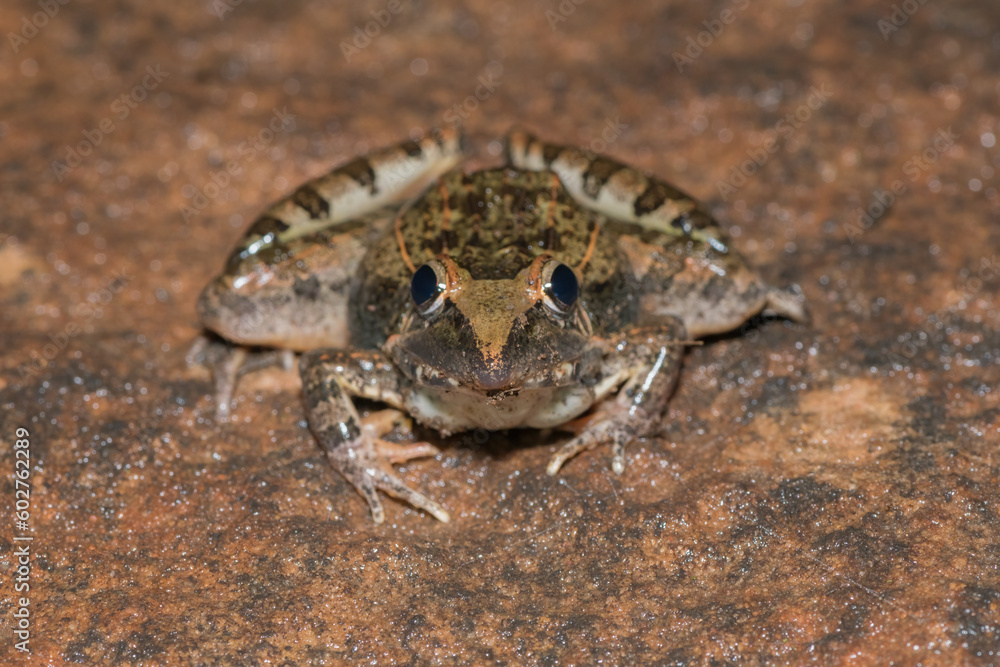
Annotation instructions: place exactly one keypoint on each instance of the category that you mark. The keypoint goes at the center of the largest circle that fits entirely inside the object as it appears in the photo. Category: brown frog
(521, 296)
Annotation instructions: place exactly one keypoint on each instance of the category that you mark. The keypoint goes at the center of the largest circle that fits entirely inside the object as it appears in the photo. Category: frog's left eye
(562, 288)
(425, 287)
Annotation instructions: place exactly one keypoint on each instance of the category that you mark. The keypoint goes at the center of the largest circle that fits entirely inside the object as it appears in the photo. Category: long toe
(618, 457)
(395, 452)
(383, 421)
(396, 488)
(366, 487)
(581, 443)
(225, 373)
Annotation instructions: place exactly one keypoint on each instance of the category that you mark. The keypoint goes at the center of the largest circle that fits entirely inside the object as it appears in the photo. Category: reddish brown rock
(815, 494)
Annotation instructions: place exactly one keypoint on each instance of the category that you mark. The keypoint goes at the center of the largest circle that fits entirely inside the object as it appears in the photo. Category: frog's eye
(562, 288)
(425, 287)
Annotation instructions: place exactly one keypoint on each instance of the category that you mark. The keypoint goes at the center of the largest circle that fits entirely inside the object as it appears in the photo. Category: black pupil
(563, 286)
(424, 285)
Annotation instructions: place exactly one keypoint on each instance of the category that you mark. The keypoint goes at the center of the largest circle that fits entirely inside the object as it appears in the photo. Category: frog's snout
(494, 354)
(451, 354)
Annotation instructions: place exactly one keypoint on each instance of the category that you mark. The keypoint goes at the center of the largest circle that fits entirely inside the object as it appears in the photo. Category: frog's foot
(354, 445)
(599, 429)
(379, 423)
(363, 461)
(651, 363)
(788, 302)
(228, 364)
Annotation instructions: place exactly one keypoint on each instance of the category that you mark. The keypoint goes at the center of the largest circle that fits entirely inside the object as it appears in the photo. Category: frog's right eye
(425, 288)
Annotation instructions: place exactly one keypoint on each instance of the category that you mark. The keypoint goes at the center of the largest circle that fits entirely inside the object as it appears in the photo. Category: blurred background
(816, 493)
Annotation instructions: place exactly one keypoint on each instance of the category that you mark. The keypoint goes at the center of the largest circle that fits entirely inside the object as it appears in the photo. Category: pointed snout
(480, 342)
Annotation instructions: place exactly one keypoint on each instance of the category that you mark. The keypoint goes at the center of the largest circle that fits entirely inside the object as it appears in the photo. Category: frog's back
(493, 223)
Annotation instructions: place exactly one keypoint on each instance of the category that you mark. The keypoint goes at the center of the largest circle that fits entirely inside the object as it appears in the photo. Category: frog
(558, 290)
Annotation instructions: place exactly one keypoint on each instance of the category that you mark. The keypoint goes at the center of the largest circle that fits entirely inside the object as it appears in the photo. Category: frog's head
(492, 336)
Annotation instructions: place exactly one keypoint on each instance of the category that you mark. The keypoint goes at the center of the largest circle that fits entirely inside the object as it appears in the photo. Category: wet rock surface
(813, 492)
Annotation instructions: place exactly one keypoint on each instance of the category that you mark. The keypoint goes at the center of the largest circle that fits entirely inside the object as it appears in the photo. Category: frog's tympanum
(521, 296)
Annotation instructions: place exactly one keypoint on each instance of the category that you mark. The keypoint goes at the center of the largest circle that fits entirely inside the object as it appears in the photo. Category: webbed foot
(354, 445)
(598, 429)
(653, 352)
(364, 461)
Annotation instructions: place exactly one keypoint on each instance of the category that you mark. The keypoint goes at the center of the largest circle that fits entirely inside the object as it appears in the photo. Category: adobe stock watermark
(911, 342)
(89, 310)
(912, 169)
(24, 613)
(713, 30)
(120, 108)
(780, 133)
(899, 17)
(613, 129)
(566, 9)
(363, 35)
(728, 355)
(247, 151)
(488, 82)
(31, 25)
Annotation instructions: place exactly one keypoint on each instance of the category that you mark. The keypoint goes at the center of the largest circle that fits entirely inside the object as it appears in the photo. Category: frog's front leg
(287, 283)
(648, 356)
(329, 379)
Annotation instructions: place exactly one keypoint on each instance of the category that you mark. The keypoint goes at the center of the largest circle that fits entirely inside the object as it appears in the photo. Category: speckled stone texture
(815, 494)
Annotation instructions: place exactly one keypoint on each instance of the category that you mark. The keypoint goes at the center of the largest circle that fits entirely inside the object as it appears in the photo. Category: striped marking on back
(616, 190)
(310, 200)
(598, 172)
(363, 185)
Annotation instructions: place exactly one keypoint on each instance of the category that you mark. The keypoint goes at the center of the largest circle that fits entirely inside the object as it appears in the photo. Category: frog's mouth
(449, 354)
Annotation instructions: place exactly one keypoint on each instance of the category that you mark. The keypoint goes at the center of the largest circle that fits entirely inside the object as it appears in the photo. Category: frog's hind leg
(788, 303)
(615, 189)
(383, 177)
(286, 283)
(329, 378)
(712, 294)
(384, 421)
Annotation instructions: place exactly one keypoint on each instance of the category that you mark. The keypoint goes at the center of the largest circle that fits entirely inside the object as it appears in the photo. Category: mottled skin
(328, 271)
